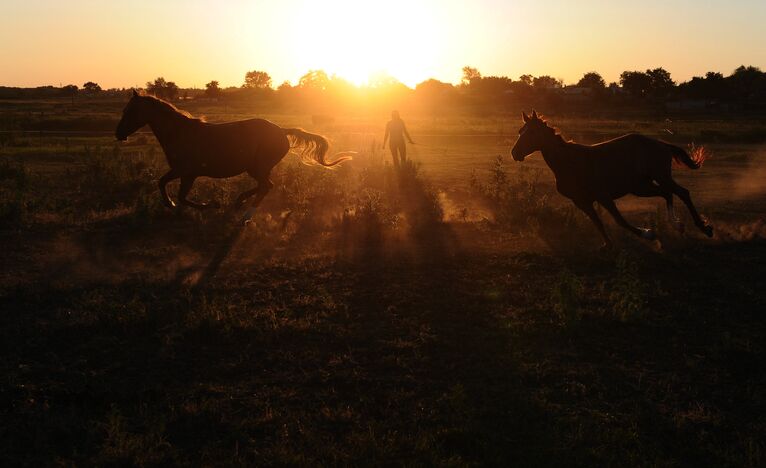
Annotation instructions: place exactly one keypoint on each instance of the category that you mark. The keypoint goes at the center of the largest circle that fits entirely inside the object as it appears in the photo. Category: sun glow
(358, 40)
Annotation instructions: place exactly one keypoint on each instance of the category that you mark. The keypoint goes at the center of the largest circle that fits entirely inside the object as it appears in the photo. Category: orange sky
(192, 42)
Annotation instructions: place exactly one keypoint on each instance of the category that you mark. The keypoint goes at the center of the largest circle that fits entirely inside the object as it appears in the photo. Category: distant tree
(314, 79)
(746, 81)
(162, 89)
(433, 85)
(285, 87)
(156, 87)
(712, 86)
(715, 85)
(527, 79)
(340, 87)
(69, 90)
(470, 75)
(171, 90)
(592, 80)
(661, 84)
(383, 80)
(636, 83)
(91, 88)
(546, 82)
(491, 86)
(715, 76)
(435, 95)
(212, 90)
(749, 73)
(257, 80)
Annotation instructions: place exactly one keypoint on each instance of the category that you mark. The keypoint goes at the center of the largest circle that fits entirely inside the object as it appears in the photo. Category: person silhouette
(396, 130)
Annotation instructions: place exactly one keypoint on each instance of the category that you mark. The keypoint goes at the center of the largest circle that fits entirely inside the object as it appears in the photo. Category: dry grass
(362, 319)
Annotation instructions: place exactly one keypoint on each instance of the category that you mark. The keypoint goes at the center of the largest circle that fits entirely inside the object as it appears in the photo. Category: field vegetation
(457, 312)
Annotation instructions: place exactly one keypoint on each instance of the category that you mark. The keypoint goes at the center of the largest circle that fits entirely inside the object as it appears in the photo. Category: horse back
(260, 132)
(230, 148)
(613, 168)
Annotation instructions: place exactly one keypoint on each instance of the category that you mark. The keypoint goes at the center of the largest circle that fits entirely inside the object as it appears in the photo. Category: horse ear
(534, 114)
(524, 117)
(135, 94)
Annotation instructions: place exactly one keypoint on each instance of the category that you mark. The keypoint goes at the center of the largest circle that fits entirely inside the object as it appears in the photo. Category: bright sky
(123, 44)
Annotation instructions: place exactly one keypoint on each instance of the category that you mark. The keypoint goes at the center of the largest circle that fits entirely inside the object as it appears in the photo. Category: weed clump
(566, 296)
(628, 294)
(512, 197)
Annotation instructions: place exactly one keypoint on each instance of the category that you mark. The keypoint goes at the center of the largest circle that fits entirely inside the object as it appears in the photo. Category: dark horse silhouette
(195, 148)
(604, 172)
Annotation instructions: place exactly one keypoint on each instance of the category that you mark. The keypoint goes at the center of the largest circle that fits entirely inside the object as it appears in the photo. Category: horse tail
(313, 147)
(693, 160)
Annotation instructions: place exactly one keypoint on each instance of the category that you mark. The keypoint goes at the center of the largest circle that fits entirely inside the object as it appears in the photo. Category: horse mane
(553, 129)
(169, 108)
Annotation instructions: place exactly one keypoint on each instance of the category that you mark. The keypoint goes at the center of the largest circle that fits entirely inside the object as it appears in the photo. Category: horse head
(532, 136)
(133, 117)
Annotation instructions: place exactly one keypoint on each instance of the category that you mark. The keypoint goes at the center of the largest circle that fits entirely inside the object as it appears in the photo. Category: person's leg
(394, 150)
(403, 152)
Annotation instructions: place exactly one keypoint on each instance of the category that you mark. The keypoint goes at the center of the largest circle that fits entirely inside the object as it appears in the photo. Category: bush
(512, 197)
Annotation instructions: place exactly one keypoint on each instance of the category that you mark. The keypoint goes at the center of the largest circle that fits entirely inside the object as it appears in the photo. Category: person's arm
(385, 137)
(404, 127)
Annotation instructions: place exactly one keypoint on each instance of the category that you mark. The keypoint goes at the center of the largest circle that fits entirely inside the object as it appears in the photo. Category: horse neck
(555, 153)
(165, 124)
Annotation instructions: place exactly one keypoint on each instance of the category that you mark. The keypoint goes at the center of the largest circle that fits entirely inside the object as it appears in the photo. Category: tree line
(746, 85)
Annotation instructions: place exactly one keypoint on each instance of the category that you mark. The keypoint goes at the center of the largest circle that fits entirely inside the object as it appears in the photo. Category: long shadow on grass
(444, 358)
(198, 276)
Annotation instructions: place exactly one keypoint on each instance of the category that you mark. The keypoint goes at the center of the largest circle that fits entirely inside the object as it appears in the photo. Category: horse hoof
(648, 234)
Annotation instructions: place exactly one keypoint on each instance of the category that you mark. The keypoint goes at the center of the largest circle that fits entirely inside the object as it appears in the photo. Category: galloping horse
(195, 148)
(606, 171)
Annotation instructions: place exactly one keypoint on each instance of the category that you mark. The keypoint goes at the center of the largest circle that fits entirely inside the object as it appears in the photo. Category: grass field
(459, 314)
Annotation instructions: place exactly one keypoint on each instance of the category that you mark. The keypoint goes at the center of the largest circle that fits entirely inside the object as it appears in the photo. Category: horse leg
(163, 182)
(608, 203)
(587, 208)
(684, 195)
(650, 189)
(183, 192)
(264, 186)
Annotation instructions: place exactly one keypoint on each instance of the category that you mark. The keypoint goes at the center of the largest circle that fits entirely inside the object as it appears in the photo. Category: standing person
(396, 129)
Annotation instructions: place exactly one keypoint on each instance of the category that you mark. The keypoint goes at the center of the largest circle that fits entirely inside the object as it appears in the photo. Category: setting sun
(357, 40)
